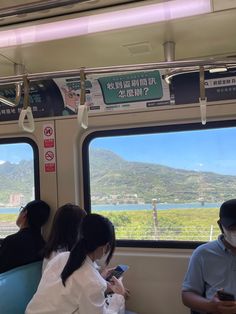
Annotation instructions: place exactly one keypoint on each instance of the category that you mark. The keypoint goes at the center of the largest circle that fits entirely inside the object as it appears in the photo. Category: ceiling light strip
(86, 25)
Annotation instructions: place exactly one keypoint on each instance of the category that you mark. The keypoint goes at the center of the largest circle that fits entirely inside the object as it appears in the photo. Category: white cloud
(2, 162)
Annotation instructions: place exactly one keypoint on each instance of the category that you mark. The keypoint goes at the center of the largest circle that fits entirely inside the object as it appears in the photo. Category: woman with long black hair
(64, 232)
(72, 283)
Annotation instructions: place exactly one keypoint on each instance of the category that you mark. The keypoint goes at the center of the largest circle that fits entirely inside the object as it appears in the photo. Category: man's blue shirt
(212, 266)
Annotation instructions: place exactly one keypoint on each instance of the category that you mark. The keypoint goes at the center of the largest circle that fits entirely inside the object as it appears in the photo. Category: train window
(18, 172)
(166, 185)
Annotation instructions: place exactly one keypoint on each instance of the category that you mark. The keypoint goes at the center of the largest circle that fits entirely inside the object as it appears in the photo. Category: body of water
(119, 207)
(161, 206)
(9, 210)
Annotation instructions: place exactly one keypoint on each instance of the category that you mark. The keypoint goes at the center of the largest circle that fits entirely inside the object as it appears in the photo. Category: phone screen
(118, 271)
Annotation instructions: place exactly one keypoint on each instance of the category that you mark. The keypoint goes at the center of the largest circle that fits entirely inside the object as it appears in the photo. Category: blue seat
(17, 287)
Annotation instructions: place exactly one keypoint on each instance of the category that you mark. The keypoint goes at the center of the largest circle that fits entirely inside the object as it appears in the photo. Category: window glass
(17, 183)
(163, 186)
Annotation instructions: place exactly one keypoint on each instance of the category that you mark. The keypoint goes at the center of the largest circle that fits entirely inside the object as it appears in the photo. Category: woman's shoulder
(54, 254)
(90, 275)
(60, 258)
(60, 255)
(57, 262)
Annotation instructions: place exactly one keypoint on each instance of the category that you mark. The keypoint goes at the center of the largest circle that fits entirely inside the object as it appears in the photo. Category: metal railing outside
(190, 233)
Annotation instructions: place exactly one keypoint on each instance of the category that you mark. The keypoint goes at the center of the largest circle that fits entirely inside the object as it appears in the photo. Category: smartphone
(117, 272)
(225, 296)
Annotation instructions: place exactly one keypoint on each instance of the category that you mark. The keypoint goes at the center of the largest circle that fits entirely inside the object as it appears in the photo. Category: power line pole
(155, 219)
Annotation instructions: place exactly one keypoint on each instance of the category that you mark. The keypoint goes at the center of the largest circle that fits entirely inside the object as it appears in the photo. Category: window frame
(142, 131)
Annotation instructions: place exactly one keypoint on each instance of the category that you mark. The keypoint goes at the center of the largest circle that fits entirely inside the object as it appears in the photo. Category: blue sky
(14, 153)
(209, 150)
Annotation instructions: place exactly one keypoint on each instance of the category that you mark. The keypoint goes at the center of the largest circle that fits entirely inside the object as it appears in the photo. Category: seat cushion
(17, 287)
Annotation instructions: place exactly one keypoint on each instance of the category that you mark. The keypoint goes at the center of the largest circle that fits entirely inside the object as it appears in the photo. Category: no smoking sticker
(49, 155)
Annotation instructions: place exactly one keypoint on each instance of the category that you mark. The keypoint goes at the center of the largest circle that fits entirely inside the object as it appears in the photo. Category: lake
(120, 207)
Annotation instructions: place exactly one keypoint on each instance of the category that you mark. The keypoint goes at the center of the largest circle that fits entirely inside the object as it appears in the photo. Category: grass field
(175, 224)
(8, 218)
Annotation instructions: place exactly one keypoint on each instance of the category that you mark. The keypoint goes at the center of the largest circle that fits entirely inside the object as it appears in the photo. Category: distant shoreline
(132, 207)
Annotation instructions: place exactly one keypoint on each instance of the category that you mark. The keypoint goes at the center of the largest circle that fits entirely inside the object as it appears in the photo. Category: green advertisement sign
(134, 87)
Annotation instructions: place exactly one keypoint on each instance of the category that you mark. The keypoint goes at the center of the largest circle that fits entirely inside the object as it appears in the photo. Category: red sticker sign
(50, 167)
(49, 143)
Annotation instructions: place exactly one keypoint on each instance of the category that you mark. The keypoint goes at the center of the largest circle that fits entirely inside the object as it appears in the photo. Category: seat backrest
(17, 287)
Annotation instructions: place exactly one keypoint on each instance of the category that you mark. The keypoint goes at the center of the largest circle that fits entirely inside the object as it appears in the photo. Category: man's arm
(198, 303)
(213, 306)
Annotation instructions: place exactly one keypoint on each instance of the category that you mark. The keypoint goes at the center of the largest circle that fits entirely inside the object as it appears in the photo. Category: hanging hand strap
(82, 116)
(202, 99)
(26, 111)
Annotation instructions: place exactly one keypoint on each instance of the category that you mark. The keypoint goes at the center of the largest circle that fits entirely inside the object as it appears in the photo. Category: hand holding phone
(117, 272)
(225, 296)
(116, 286)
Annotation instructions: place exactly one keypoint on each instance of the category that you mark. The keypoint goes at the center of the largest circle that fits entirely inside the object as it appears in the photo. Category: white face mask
(230, 236)
(102, 260)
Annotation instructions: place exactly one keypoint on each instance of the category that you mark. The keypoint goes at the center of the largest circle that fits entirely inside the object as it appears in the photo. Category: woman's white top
(83, 293)
(47, 260)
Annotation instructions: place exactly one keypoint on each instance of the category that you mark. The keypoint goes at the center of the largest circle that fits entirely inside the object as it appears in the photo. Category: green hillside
(16, 178)
(112, 175)
(114, 179)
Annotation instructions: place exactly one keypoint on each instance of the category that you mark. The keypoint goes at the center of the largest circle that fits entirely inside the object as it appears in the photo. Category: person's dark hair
(96, 231)
(227, 213)
(37, 213)
(65, 228)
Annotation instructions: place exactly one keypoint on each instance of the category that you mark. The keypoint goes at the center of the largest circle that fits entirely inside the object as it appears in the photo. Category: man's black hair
(37, 213)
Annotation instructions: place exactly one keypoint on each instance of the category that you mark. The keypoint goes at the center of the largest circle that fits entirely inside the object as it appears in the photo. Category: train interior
(41, 48)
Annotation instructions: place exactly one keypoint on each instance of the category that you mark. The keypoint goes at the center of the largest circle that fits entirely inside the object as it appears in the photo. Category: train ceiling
(201, 36)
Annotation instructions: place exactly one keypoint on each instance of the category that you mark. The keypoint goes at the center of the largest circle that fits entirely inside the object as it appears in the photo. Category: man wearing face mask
(212, 267)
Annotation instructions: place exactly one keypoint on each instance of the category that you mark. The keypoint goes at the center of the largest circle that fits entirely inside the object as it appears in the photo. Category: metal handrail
(188, 65)
(37, 6)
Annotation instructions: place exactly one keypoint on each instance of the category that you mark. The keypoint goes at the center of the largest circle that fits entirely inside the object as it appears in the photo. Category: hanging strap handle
(82, 116)
(18, 69)
(202, 98)
(26, 111)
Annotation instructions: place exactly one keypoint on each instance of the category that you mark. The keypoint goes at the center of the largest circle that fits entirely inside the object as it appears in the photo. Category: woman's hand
(106, 272)
(116, 286)
(127, 294)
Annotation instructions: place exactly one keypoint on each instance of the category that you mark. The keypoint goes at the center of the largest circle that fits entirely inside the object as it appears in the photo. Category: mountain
(16, 179)
(117, 180)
